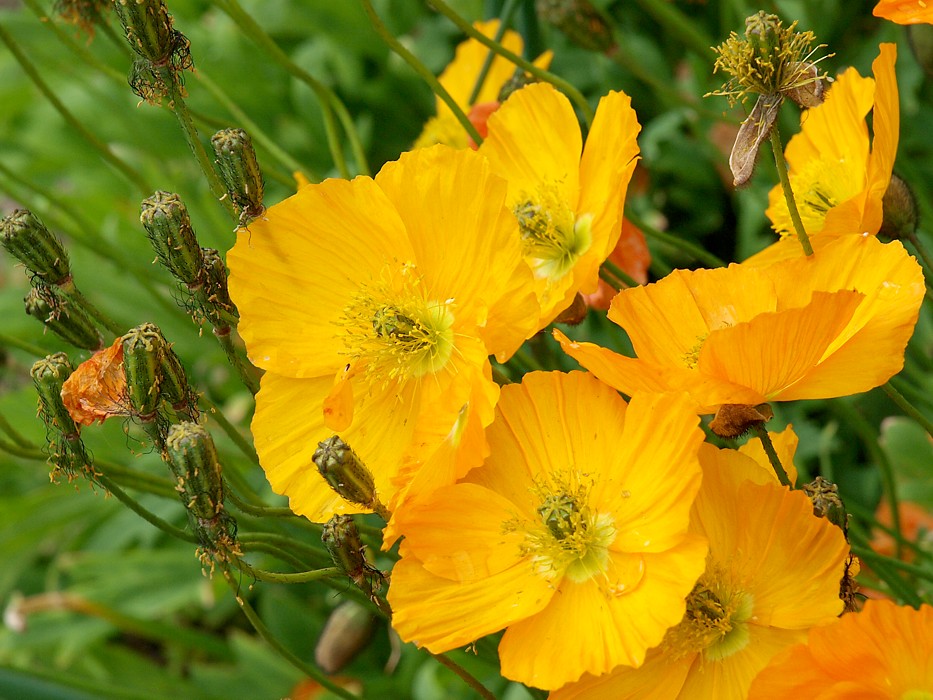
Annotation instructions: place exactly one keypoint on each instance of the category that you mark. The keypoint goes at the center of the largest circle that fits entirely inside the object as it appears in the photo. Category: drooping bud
(900, 210)
(168, 228)
(66, 450)
(148, 28)
(67, 321)
(194, 462)
(579, 21)
(29, 241)
(518, 80)
(826, 502)
(343, 543)
(215, 286)
(239, 169)
(143, 352)
(346, 632)
(345, 472)
(732, 419)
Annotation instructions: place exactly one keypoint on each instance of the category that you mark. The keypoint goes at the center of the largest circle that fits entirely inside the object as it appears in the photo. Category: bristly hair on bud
(66, 320)
(168, 227)
(771, 59)
(29, 241)
(347, 475)
(899, 207)
(342, 541)
(239, 169)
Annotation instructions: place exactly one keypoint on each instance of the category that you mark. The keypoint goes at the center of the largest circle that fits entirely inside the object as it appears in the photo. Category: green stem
(330, 103)
(286, 542)
(263, 631)
(698, 252)
(180, 108)
(70, 291)
(22, 451)
(870, 555)
(142, 512)
(134, 177)
(620, 274)
(258, 511)
(422, 71)
(505, 18)
(525, 65)
(464, 675)
(241, 442)
(680, 26)
(15, 436)
(762, 432)
(279, 577)
(240, 364)
(908, 408)
(255, 131)
(866, 515)
(14, 342)
(275, 551)
(116, 39)
(921, 251)
(778, 149)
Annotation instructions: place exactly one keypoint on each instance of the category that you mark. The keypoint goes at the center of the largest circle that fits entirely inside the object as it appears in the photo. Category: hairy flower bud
(148, 28)
(30, 242)
(899, 207)
(826, 502)
(239, 170)
(215, 287)
(64, 319)
(345, 472)
(168, 228)
(579, 21)
(347, 630)
(143, 351)
(65, 449)
(343, 543)
(193, 460)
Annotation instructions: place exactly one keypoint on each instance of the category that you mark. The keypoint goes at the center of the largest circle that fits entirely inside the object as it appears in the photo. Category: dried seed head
(168, 227)
(826, 502)
(30, 242)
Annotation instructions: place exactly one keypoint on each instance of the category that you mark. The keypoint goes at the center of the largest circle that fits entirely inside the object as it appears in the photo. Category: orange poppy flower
(632, 256)
(905, 11)
(96, 390)
(832, 324)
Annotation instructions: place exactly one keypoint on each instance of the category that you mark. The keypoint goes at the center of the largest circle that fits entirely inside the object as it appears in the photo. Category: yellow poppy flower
(572, 535)
(884, 652)
(568, 205)
(832, 324)
(772, 572)
(905, 11)
(837, 178)
(459, 78)
(373, 305)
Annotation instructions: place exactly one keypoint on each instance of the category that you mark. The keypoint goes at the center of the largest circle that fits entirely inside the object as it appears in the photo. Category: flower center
(396, 332)
(818, 187)
(552, 238)
(715, 623)
(568, 538)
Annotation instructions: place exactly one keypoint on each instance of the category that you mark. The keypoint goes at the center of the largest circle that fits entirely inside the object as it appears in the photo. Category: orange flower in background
(572, 535)
(568, 198)
(837, 175)
(459, 79)
(916, 526)
(373, 306)
(772, 573)
(632, 256)
(96, 390)
(883, 652)
(905, 11)
(832, 324)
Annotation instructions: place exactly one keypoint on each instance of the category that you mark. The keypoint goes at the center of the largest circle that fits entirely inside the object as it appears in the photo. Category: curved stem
(142, 512)
(464, 675)
(921, 251)
(698, 252)
(505, 18)
(14, 342)
(620, 274)
(258, 511)
(263, 631)
(275, 551)
(762, 432)
(778, 149)
(908, 408)
(422, 71)
(525, 65)
(130, 173)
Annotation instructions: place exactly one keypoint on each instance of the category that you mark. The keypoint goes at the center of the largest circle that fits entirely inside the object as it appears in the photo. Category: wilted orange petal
(96, 390)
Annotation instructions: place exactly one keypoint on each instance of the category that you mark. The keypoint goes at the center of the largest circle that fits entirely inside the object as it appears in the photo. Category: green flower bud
(48, 375)
(174, 386)
(168, 228)
(899, 207)
(518, 80)
(346, 632)
(239, 170)
(67, 321)
(579, 21)
(826, 502)
(30, 242)
(343, 543)
(143, 352)
(193, 460)
(148, 28)
(345, 472)
(215, 287)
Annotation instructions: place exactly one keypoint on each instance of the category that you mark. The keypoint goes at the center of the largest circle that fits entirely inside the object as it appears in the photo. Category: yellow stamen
(553, 238)
(819, 186)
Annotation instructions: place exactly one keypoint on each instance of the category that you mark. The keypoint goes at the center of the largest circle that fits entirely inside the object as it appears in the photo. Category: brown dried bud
(826, 502)
(754, 131)
(734, 419)
(346, 632)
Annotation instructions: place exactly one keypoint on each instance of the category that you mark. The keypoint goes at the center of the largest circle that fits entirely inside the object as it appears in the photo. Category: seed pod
(239, 170)
(168, 228)
(30, 242)
(148, 28)
(345, 472)
(143, 353)
(67, 321)
(732, 419)
(193, 460)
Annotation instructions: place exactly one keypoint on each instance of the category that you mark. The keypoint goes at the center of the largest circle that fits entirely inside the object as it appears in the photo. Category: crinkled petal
(660, 678)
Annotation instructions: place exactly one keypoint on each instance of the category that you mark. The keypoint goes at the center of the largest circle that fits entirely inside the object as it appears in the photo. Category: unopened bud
(239, 170)
(345, 472)
(579, 21)
(900, 210)
(826, 502)
(215, 285)
(174, 386)
(343, 543)
(733, 419)
(29, 241)
(168, 228)
(143, 352)
(518, 80)
(48, 375)
(84, 14)
(64, 319)
(346, 632)
(148, 28)
(193, 460)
